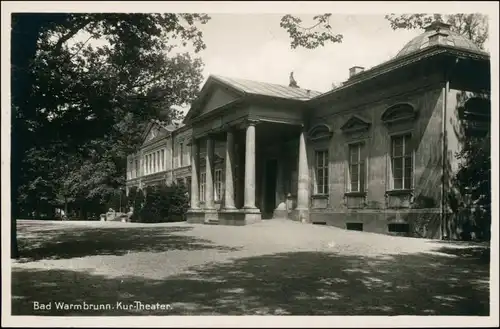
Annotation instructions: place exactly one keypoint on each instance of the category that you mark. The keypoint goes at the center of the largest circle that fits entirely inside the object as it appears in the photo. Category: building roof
(443, 40)
(267, 89)
(440, 34)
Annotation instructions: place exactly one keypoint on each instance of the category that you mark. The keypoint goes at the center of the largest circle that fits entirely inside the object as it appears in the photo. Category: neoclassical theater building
(375, 154)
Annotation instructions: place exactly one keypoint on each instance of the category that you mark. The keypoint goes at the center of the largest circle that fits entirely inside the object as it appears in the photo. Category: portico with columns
(259, 142)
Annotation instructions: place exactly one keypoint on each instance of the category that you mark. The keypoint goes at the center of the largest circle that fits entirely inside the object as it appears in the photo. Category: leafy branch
(310, 37)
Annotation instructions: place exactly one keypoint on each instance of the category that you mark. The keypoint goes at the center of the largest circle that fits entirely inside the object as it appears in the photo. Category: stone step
(212, 222)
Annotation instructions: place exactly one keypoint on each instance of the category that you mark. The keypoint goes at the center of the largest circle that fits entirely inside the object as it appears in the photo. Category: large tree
(83, 86)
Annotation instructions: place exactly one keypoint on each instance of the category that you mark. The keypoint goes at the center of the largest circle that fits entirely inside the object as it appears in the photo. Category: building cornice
(400, 62)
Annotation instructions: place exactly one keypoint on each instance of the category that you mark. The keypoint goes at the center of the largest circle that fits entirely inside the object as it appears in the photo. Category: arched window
(399, 113)
(319, 132)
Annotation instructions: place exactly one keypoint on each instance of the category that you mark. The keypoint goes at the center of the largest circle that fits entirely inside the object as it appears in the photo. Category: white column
(194, 175)
(229, 184)
(209, 184)
(303, 174)
(250, 166)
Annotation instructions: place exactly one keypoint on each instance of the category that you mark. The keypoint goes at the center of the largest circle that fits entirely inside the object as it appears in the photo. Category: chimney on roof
(437, 26)
(293, 83)
(355, 70)
(441, 32)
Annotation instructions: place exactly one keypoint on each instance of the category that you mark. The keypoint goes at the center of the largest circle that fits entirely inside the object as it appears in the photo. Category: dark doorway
(270, 188)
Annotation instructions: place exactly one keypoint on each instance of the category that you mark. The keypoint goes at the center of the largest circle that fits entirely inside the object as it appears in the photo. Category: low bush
(160, 204)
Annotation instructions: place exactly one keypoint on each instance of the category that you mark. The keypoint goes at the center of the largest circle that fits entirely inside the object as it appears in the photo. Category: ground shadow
(296, 283)
(59, 242)
(479, 252)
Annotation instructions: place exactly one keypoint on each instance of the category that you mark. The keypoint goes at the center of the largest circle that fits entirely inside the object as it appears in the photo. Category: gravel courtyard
(275, 267)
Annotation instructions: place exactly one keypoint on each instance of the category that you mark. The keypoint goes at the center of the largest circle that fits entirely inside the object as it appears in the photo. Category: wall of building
(377, 210)
(169, 167)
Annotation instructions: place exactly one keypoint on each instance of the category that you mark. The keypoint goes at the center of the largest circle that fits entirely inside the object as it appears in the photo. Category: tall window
(162, 159)
(203, 178)
(158, 160)
(155, 163)
(181, 153)
(402, 162)
(357, 169)
(218, 184)
(322, 172)
(136, 168)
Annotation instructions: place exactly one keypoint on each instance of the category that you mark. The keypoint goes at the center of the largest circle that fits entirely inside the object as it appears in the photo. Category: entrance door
(270, 188)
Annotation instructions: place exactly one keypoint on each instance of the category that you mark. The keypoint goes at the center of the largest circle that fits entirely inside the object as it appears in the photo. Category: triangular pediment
(355, 123)
(218, 97)
(154, 131)
(214, 95)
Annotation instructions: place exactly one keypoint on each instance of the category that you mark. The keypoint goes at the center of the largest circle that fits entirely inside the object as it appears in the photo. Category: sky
(255, 47)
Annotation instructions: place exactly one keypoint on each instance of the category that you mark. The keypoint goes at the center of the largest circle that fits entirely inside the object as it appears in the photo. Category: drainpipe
(444, 161)
(446, 90)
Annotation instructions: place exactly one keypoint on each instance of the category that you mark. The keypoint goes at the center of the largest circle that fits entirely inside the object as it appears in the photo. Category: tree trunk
(25, 31)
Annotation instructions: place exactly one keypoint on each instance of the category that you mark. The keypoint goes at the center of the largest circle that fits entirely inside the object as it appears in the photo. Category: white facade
(164, 156)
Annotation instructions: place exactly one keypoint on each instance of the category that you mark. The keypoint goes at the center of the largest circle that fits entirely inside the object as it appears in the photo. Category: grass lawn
(271, 268)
